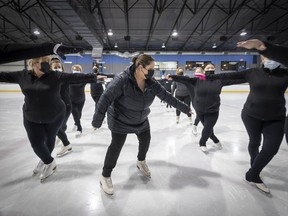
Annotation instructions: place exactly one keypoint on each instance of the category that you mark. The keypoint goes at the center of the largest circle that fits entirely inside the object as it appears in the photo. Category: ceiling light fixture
(163, 45)
(116, 45)
(36, 32)
(174, 33)
(110, 33)
(243, 32)
(214, 46)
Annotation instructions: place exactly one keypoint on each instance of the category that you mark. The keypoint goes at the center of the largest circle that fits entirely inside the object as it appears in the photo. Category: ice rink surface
(185, 181)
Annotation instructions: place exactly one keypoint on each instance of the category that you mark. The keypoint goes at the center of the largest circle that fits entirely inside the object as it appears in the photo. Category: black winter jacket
(180, 88)
(266, 99)
(77, 92)
(42, 102)
(127, 106)
(206, 92)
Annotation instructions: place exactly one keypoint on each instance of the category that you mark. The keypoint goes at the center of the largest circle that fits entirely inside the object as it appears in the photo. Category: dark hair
(180, 71)
(143, 60)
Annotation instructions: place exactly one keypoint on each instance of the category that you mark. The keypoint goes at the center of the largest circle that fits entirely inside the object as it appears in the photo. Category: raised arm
(271, 51)
(10, 77)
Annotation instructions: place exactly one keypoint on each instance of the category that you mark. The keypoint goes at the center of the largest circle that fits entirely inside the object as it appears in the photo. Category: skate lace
(108, 182)
(145, 167)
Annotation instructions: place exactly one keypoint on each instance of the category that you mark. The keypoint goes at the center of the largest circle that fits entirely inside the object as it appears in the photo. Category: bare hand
(252, 44)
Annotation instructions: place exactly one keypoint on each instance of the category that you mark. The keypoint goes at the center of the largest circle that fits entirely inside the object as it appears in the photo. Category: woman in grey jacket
(182, 94)
(127, 100)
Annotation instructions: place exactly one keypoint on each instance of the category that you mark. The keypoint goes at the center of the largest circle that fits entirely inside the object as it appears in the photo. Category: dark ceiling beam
(176, 21)
(133, 4)
(169, 4)
(23, 9)
(194, 30)
(126, 12)
(197, 8)
(5, 4)
(43, 7)
(118, 6)
(261, 13)
(97, 5)
(226, 19)
(17, 28)
(29, 18)
(151, 23)
(268, 25)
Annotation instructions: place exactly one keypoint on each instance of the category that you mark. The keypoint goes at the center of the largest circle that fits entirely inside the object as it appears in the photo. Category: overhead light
(243, 32)
(174, 33)
(36, 32)
(110, 33)
(116, 45)
(163, 45)
(214, 46)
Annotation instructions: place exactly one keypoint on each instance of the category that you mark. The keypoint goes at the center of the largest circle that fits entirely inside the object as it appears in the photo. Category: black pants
(208, 121)
(116, 145)
(42, 137)
(196, 121)
(61, 133)
(77, 113)
(272, 131)
(186, 100)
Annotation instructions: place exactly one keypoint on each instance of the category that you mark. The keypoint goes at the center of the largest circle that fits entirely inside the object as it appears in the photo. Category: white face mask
(58, 69)
(270, 64)
(76, 71)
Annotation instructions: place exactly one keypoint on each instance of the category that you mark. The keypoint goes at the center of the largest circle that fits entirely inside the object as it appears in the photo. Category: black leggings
(208, 121)
(77, 113)
(42, 137)
(61, 133)
(273, 132)
(116, 145)
(196, 121)
(186, 100)
(286, 129)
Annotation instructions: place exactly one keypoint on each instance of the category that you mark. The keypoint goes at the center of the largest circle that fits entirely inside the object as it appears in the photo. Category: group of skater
(127, 99)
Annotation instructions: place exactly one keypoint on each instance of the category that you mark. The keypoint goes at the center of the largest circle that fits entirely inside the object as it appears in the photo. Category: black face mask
(209, 72)
(45, 67)
(150, 74)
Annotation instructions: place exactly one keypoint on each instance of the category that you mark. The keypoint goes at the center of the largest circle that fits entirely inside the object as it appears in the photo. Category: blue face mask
(270, 64)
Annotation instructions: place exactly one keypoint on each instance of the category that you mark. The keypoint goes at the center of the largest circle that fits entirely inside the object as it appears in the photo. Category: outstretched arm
(271, 51)
(18, 52)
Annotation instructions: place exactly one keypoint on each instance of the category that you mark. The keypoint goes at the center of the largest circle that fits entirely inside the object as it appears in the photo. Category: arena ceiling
(144, 25)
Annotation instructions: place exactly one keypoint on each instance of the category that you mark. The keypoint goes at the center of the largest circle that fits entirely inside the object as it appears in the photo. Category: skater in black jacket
(206, 102)
(263, 113)
(77, 95)
(43, 108)
(127, 100)
(271, 51)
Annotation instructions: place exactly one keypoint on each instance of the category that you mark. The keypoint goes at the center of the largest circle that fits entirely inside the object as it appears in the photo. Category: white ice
(185, 181)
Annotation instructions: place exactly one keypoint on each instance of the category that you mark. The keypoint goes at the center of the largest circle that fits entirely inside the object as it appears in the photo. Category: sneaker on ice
(219, 145)
(48, 170)
(64, 150)
(257, 181)
(142, 166)
(194, 130)
(203, 148)
(38, 168)
(78, 134)
(106, 184)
